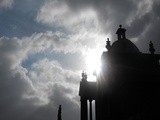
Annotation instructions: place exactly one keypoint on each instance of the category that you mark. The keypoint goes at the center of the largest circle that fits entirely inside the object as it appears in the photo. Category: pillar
(84, 109)
(90, 106)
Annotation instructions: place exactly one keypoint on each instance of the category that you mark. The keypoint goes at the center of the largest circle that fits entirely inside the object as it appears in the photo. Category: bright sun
(93, 62)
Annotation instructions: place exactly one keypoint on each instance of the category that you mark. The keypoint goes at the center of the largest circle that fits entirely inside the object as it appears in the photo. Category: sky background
(46, 44)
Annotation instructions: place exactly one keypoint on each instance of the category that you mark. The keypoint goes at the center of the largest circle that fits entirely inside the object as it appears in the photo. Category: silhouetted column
(84, 109)
(59, 113)
(90, 106)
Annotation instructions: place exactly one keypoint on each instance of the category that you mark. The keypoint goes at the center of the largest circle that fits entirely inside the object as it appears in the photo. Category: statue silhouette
(121, 33)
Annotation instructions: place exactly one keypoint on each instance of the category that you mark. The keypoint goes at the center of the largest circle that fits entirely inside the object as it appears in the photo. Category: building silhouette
(128, 86)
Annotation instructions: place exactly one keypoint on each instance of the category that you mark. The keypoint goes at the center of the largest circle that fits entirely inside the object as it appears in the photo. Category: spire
(121, 33)
(59, 113)
(151, 48)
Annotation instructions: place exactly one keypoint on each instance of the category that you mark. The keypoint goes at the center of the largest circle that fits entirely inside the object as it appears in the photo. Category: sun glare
(93, 63)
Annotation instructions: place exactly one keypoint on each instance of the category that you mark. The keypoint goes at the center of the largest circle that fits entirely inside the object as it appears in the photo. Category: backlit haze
(46, 44)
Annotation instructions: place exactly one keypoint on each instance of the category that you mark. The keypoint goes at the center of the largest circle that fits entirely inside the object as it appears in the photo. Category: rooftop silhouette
(127, 87)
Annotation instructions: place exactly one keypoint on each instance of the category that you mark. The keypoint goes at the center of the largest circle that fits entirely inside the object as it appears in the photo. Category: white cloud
(47, 82)
(14, 51)
(84, 34)
(83, 29)
(60, 14)
(45, 74)
(53, 12)
(6, 3)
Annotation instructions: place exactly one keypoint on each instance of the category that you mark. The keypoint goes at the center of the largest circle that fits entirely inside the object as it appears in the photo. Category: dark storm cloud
(147, 28)
(145, 19)
(137, 16)
(109, 11)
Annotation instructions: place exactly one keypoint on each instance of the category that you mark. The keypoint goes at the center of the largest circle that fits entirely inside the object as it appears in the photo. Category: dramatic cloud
(37, 86)
(38, 83)
(44, 46)
(104, 16)
(59, 14)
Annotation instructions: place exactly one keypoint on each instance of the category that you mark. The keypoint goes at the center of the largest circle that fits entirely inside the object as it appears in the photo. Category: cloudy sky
(46, 44)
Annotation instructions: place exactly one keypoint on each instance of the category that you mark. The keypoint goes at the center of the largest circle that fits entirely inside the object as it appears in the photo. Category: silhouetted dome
(124, 46)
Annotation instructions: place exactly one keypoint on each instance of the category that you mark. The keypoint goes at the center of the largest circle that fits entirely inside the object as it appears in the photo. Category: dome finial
(151, 48)
(108, 44)
(84, 76)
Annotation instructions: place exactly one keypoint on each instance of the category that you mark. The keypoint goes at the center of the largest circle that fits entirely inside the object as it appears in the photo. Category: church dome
(124, 46)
